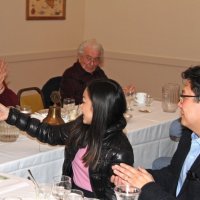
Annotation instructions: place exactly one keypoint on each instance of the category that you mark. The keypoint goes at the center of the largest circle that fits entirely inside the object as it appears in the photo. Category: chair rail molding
(151, 59)
(39, 56)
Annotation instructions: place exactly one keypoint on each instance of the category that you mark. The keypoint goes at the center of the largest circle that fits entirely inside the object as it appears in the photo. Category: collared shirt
(191, 157)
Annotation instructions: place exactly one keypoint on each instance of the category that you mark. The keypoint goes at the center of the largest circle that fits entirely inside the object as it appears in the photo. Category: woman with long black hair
(94, 142)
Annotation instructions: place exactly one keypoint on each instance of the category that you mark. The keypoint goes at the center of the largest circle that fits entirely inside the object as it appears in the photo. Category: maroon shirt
(75, 79)
(8, 98)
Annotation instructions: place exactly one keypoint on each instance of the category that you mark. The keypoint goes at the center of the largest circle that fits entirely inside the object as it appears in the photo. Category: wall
(37, 50)
(147, 42)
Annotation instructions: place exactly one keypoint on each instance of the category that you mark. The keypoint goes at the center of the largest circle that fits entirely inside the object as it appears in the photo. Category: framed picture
(45, 9)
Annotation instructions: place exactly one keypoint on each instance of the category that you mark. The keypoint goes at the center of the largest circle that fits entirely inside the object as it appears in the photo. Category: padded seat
(31, 96)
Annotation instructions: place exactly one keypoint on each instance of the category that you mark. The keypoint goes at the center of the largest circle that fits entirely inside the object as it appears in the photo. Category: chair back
(31, 96)
(53, 84)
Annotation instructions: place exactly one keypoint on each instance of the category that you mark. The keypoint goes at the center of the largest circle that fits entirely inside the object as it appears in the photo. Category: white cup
(140, 98)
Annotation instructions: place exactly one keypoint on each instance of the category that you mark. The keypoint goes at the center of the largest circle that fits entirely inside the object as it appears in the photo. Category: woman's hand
(4, 111)
(128, 174)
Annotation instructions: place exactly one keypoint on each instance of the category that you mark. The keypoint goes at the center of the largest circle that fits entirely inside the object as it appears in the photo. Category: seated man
(7, 96)
(84, 70)
(181, 179)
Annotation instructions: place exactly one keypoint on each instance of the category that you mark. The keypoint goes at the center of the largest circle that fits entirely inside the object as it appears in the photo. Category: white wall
(35, 50)
(146, 42)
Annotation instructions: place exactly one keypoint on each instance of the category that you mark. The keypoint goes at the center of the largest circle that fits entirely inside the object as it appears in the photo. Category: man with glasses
(86, 69)
(181, 179)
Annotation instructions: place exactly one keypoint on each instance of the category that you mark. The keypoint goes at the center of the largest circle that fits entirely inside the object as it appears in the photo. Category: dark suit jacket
(166, 179)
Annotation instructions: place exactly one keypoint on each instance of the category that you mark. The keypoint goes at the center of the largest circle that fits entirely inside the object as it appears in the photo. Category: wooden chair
(31, 96)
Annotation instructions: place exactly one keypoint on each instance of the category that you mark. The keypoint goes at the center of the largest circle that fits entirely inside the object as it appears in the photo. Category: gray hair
(94, 45)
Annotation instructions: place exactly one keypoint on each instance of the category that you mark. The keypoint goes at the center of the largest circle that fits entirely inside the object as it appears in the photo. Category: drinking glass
(25, 109)
(12, 198)
(149, 100)
(68, 104)
(61, 187)
(61, 178)
(126, 192)
(69, 107)
(74, 195)
(43, 191)
(129, 100)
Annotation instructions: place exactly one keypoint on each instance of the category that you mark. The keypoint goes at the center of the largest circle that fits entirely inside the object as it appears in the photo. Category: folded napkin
(43, 113)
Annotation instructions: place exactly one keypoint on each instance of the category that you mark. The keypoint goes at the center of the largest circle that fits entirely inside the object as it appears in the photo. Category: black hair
(109, 106)
(193, 75)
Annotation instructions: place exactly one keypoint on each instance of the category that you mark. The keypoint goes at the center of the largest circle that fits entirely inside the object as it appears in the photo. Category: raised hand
(4, 111)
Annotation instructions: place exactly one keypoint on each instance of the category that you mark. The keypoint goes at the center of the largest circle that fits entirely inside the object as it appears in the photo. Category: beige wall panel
(20, 36)
(155, 28)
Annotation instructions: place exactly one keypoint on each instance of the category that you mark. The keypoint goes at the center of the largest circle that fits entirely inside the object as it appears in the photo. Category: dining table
(16, 188)
(148, 133)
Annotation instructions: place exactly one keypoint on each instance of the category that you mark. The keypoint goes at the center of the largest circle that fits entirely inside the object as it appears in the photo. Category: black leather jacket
(116, 149)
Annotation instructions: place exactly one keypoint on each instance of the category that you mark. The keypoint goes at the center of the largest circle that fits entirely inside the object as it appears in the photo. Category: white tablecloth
(44, 161)
(149, 134)
(14, 186)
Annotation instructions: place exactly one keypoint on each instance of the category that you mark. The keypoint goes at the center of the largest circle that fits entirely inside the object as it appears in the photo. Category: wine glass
(126, 192)
(130, 100)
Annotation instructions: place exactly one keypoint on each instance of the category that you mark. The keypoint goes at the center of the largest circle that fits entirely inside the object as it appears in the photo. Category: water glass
(61, 187)
(68, 104)
(12, 198)
(149, 100)
(140, 98)
(43, 192)
(25, 109)
(127, 192)
(74, 195)
(62, 178)
(70, 108)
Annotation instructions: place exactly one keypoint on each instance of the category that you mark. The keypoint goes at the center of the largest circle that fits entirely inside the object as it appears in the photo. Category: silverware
(31, 177)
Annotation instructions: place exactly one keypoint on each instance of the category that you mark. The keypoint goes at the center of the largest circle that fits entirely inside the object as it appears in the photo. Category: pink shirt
(81, 173)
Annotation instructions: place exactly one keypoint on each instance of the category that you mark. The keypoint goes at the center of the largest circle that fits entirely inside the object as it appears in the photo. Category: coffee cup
(140, 98)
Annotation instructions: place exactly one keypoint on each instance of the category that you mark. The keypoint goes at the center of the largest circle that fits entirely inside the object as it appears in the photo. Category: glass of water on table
(69, 107)
(61, 186)
(127, 192)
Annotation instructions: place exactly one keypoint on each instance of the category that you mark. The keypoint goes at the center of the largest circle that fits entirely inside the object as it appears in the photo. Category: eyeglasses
(182, 97)
(91, 59)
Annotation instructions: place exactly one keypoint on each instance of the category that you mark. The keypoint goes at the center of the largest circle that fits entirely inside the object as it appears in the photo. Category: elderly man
(87, 68)
(181, 179)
